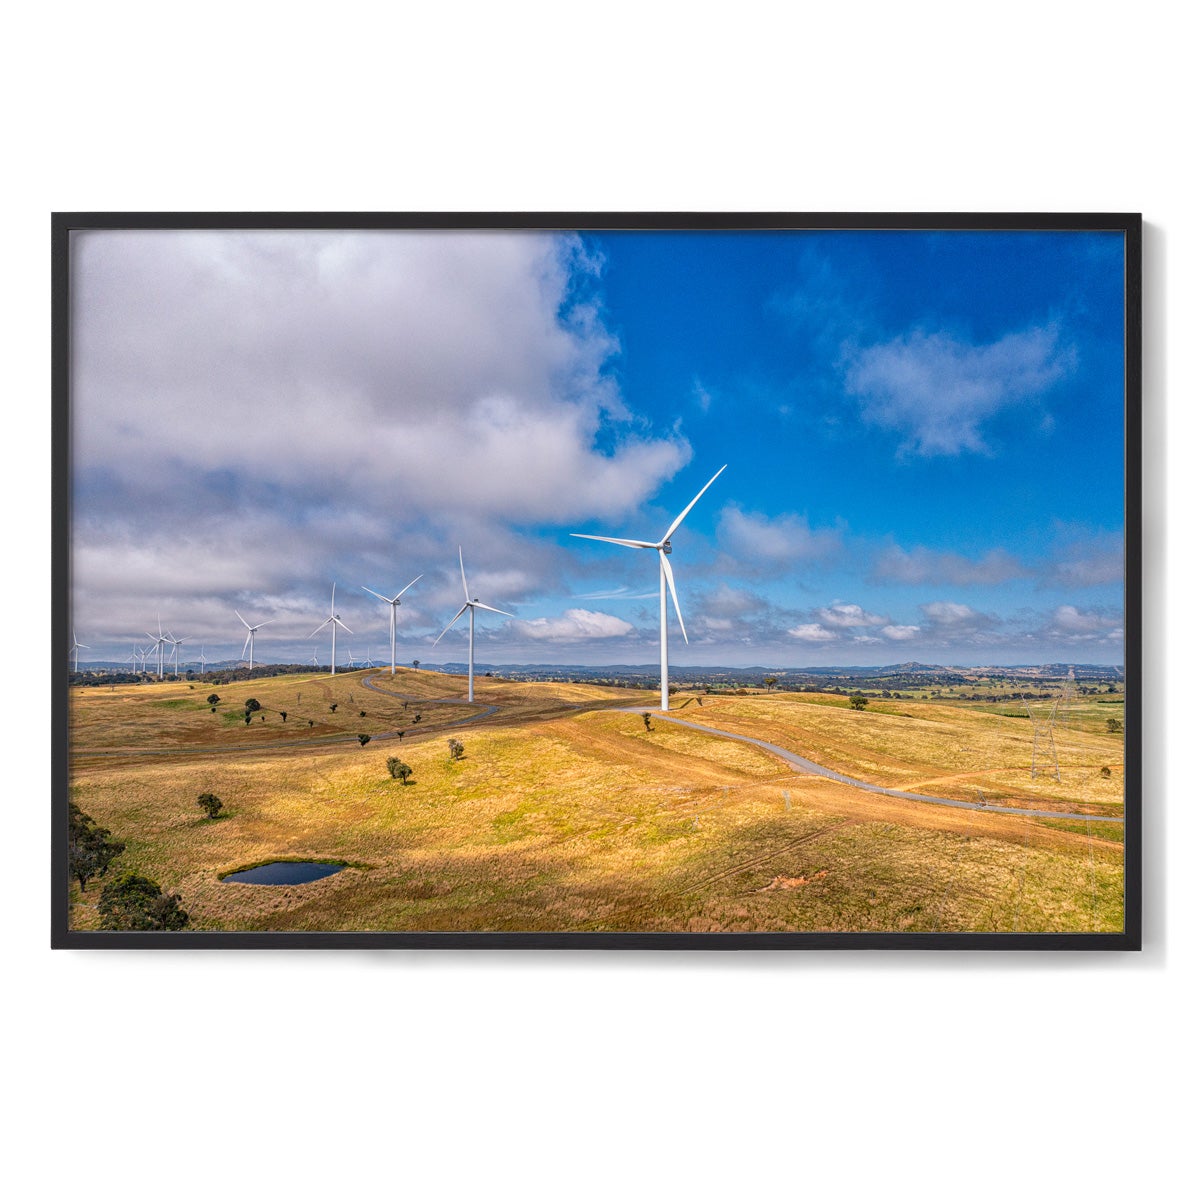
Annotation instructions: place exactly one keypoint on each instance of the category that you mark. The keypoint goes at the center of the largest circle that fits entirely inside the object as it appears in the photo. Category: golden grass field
(567, 816)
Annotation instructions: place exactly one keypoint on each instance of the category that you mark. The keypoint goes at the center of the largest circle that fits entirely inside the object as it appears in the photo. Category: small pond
(285, 872)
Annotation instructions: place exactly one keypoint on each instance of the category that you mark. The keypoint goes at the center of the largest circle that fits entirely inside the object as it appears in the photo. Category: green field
(566, 815)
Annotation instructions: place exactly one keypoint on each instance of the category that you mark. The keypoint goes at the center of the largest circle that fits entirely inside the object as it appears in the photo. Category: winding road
(808, 767)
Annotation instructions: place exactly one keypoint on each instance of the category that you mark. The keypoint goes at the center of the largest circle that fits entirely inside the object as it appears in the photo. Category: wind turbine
(76, 646)
(158, 644)
(350, 658)
(333, 621)
(203, 662)
(666, 578)
(472, 605)
(252, 630)
(394, 601)
(175, 644)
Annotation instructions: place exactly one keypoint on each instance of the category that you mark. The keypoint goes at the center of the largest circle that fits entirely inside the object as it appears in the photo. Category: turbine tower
(175, 644)
(157, 644)
(251, 631)
(470, 605)
(333, 621)
(394, 602)
(76, 646)
(666, 578)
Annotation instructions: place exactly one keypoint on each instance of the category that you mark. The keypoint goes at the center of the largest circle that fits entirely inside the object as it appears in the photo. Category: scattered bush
(362, 713)
(1113, 725)
(333, 708)
(1105, 772)
(137, 903)
(248, 716)
(310, 724)
(457, 750)
(252, 705)
(214, 699)
(283, 715)
(399, 770)
(363, 738)
(858, 702)
(646, 719)
(416, 718)
(210, 803)
(90, 847)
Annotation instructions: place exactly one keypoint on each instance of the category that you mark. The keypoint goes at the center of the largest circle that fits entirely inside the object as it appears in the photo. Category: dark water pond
(284, 872)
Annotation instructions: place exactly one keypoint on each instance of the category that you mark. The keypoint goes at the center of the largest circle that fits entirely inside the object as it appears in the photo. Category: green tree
(134, 902)
(283, 715)
(769, 681)
(416, 663)
(646, 720)
(858, 702)
(363, 738)
(1113, 725)
(399, 770)
(252, 705)
(90, 847)
(333, 708)
(457, 750)
(210, 803)
(214, 699)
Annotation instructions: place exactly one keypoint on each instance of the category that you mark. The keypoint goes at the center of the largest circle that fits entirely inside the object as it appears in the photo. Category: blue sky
(923, 432)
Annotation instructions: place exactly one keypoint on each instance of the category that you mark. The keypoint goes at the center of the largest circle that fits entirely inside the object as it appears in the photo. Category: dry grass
(582, 821)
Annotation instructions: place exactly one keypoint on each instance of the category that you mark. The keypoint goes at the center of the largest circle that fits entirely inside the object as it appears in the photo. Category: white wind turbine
(76, 646)
(175, 644)
(394, 602)
(472, 605)
(203, 662)
(350, 658)
(251, 631)
(158, 643)
(666, 578)
(333, 621)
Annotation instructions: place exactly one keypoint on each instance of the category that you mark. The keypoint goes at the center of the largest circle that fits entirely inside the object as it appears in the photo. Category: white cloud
(849, 616)
(778, 542)
(812, 633)
(947, 614)
(937, 392)
(900, 633)
(575, 625)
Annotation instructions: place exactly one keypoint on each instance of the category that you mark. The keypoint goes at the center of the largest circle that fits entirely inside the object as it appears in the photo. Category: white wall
(575, 1074)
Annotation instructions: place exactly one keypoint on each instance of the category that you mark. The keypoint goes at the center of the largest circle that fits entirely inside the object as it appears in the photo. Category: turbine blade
(342, 624)
(375, 594)
(666, 562)
(245, 644)
(451, 625)
(403, 590)
(595, 537)
(466, 591)
(241, 618)
(679, 519)
(476, 604)
(320, 627)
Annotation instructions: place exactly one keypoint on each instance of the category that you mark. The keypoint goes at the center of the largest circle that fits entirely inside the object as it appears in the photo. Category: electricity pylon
(1043, 742)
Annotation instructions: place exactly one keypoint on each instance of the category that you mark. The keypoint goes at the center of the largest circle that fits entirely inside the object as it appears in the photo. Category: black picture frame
(64, 224)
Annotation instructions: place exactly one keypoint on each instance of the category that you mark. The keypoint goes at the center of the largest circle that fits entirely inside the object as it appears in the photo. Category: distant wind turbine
(666, 578)
(350, 658)
(333, 621)
(158, 643)
(314, 659)
(175, 644)
(251, 631)
(203, 662)
(471, 605)
(76, 646)
(394, 602)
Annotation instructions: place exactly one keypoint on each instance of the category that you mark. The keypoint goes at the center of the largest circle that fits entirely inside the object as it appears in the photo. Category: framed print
(684, 581)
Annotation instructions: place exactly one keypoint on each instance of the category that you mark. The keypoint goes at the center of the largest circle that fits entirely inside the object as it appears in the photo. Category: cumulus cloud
(946, 615)
(255, 412)
(812, 633)
(1087, 561)
(937, 392)
(774, 543)
(921, 565)
(849, 616)
(575, 625)
(900, 633)
(1074, 625)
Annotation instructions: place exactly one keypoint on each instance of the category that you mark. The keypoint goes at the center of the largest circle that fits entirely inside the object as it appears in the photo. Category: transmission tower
(1044, 751)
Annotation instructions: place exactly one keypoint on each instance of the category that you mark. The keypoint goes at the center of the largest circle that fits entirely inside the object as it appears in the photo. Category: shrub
(283, 714)
(363, 738)
(135, 902)
(646, 719)
(857, 702)
(1105, 772)
(210, 803)
(399, 770)
(1113, 725)
(457, 750)
(252, 705)
(214, 699)
(362, 713)
(416, 718)
(248, 716)
(333, 708)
